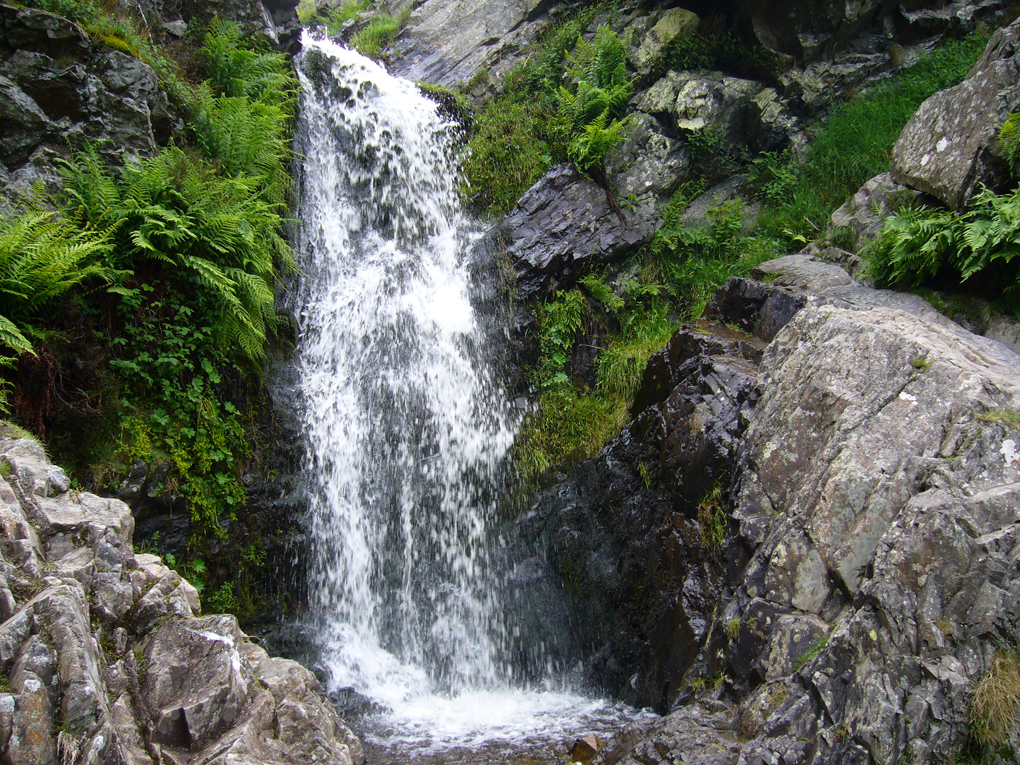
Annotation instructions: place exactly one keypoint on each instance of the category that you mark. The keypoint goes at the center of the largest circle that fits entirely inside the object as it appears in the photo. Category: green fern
(913, 246)
(595, 96)
(916, 245)
(43, 256)
(1009, 141)
(236, 71)
(215, 236)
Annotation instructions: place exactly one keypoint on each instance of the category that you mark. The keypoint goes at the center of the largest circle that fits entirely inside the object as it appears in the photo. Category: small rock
(584, 748)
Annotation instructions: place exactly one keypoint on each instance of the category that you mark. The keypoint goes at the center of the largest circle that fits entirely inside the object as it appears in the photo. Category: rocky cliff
(864, 580)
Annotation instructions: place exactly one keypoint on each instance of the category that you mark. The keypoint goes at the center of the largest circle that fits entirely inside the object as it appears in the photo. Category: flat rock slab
(564, 224)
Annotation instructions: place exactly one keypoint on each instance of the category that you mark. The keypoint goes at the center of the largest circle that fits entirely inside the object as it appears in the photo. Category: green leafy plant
(589, 116)
(1009, 140)
(212, 237)
(712, 518)
(915, 246)
(43, 256)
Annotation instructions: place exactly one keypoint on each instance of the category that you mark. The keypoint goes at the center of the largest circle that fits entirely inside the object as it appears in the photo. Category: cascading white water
(408, 431)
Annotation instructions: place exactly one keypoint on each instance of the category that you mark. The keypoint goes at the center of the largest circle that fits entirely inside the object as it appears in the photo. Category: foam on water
(408, 430)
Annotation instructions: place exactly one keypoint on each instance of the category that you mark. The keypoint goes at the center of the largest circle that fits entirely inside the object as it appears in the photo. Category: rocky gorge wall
(802, 546)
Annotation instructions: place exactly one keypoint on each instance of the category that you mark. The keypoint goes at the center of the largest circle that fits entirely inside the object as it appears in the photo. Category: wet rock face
(105, 647)
(563, 225)
(274, 22)
(949, 147)
(866, 583)
(641, 599)
(451, 40)
(806, 29)
(58, 89)
(623, 532)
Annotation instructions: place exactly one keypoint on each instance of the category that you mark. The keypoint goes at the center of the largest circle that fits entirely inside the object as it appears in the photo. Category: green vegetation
(123, 33)
(381, 31)
(135, 309)
(589, 116)
(671, 280)
(854, 143)
(817, 648)
(1007, 417)
(371, 40)
(712, 519)
(920, 245)
(539, 114)
(995, 707)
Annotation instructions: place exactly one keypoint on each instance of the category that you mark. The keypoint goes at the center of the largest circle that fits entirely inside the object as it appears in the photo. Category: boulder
(949, 149)
(649, 165)
(809, 29)
(703, 733)
(863, 214)
(562, 226)
(673, 24)
(851, 496)
(693, 102)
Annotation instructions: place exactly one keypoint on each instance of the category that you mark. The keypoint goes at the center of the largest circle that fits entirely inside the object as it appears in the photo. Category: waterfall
(408, 430)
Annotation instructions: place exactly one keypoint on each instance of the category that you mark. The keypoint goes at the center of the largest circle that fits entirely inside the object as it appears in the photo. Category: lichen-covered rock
(674, 23)
(949, 147)
(648, 165)
(871, 497)
(693, 102)
(106, 660)
(563, 225)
